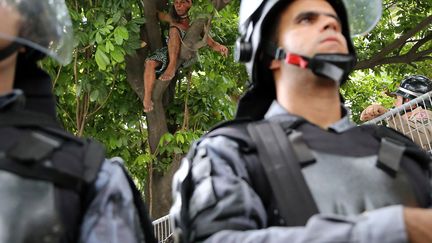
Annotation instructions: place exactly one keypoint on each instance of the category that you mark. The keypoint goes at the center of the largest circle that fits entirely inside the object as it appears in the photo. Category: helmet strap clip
(332, 66)
(289, 58)
(296, 60)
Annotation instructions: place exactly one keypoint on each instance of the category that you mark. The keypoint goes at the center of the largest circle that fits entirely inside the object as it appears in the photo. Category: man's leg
(149, 78)
(173, 52)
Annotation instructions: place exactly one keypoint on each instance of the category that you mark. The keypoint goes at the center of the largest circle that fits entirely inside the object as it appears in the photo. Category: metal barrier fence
(162, 229)
(411, 119)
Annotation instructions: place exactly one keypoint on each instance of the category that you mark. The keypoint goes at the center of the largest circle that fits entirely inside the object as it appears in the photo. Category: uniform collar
(277, 113)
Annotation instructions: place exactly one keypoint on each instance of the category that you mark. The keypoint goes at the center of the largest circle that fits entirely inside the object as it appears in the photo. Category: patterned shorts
(160, 55)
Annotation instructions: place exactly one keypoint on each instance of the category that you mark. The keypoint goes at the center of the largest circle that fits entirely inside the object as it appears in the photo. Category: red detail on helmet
(296, 60)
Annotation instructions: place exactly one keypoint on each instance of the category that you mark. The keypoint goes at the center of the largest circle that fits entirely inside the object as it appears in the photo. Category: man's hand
(372, 111)
(223, 50)
(418, 225)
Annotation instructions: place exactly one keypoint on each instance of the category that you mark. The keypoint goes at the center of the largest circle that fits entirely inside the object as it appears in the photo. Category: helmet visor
(363, 15)
(43, 25)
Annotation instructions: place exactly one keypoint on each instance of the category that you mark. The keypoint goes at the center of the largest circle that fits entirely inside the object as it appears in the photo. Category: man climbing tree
(164, 60)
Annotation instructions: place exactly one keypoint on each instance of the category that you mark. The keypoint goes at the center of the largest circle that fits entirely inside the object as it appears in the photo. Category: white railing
(411, 120)
(162, 229)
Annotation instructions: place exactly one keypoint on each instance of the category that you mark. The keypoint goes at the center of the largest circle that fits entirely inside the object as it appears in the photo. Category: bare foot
(148, 105)
(167, 75)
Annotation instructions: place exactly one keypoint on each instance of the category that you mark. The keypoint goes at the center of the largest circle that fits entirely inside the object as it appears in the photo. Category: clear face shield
(363, 15)
(43, 25)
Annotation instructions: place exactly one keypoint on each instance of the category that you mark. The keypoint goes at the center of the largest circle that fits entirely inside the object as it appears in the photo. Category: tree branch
(411, 56)
(152, 25)
(420, 43)
(398, 42)
(407, 58)
(220, 4)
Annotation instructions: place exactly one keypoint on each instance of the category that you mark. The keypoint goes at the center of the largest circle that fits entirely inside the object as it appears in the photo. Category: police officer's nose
(330, 23)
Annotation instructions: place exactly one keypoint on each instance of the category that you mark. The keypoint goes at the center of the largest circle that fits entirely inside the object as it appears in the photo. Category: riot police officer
(291, 167)
(54, 187)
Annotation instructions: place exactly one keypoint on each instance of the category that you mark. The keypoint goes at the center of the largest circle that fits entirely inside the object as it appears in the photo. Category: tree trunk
(156, 120)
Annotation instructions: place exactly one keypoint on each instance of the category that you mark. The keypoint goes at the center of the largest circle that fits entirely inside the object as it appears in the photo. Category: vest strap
(283, 171)
(390, 155)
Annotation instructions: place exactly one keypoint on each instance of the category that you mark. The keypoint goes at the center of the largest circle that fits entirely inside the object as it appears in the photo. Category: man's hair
(173, 14)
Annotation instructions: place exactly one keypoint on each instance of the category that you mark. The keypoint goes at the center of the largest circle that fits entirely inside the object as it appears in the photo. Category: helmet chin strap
(9, 50)
(333, 66)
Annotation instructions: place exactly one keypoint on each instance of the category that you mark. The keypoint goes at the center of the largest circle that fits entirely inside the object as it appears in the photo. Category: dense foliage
(400, 45)
(94, 99)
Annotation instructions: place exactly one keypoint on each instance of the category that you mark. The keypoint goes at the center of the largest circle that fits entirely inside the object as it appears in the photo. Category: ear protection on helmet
(243, 50)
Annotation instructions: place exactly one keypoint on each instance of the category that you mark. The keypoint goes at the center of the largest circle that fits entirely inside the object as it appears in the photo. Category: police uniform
(221, 193)
(56, 212)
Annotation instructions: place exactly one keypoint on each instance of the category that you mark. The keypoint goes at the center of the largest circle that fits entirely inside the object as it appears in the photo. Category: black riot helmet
(414, 86)
(41, 26)
(255, 48)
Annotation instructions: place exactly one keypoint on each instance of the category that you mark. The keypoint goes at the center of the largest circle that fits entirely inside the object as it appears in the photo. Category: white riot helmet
(42, 25)
(255, 49)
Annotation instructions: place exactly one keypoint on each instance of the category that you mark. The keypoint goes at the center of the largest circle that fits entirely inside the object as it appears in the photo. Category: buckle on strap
(33, 147)
(279, 54)
(301, 150)
(390, 155)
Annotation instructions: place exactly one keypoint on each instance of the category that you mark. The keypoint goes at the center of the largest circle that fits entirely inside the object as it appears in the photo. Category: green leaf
(98, 38)
(134, 28)
(209, 8)
(116, 17)
(117, 55)
(100, 21)
(179, 138)
(102, 59)
(118, 39)
(139, 20)
(119, 143)
(177, 150)
(94, 95)
(109, 46)
(121, 33)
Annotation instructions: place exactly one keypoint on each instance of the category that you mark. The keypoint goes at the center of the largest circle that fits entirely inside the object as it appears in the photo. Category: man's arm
(223, 50)
(164, 17)
(214, 202)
